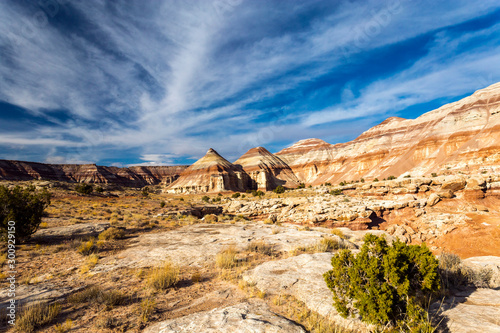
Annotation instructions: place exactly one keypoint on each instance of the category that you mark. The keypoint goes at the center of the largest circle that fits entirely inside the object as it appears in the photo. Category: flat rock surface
(251, 316)
(491, 263)
(197, 245)
(477, 311)
(75, 230)
(42, 292)
(301, 277)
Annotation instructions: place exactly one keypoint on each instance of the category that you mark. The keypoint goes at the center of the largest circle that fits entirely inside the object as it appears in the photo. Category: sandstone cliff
(462, 136)
(266, 170)
(90, 173)
(211, 173)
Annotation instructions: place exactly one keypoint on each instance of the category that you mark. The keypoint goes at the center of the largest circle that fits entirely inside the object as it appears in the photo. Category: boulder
(454, 185)
(251, 316)
(302, 277)
(433, 199)
(72, 231)
(491, 263)
(446, 194)
(476, 183)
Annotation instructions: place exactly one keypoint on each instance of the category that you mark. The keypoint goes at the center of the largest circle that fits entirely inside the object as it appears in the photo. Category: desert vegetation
(130, 298)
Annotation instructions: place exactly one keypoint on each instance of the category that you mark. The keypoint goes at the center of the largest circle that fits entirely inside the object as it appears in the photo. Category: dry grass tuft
(36, 316)
(64, 327)
(90, 263)
(146, 309)
(112, 233)
(87, 247)
(260, 247)
(338, 232)
(95, 294)
(227, 258)
(164, 277)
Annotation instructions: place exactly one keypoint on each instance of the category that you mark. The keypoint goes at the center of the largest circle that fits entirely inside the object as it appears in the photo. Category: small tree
(279, 189)
(25, 207)
(235, 195)
(384, 284)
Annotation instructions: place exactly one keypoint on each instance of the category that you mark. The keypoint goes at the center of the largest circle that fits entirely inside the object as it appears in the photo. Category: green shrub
(328, 184)
(301, 185)
(434, 174)
(280, 189)
(99, 189)
(84, 188)
(162, 204)
(391, 177)
(145, 192)
(235, 195)
(25, 207)
(342, 183)
(257, 193)
(387, 284)
(336, 192)
(407, 176)
(375, 180)
(205, 198)
(362, 180)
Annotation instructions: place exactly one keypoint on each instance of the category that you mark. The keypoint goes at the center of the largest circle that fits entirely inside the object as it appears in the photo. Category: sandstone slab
(243, 317)
(72, 231)
(475, 312)
(197, 245)
(302, 277)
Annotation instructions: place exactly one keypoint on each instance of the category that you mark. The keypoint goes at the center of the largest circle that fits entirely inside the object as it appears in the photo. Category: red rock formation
(211, 173)
(267, 170)
(90, 173)
(461, 136)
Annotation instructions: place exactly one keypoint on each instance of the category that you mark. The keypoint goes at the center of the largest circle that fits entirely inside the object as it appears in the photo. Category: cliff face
(90, 173)
(266, 170)
(211, 173)
(462, 136)
(459, 137)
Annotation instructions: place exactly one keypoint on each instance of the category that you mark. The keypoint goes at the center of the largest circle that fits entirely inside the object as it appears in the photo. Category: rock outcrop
(461, 136)
(251, 316)
(211, 173)
(266, 170)
(137, 176)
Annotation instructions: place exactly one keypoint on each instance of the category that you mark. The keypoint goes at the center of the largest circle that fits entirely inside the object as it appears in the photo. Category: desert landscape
(246, 166)
(242, 247)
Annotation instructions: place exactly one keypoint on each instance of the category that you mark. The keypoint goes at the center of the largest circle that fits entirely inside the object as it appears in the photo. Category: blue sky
(160, 82)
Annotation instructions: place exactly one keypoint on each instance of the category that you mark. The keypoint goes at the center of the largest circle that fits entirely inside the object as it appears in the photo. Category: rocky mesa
(461, 136)
(136, 176)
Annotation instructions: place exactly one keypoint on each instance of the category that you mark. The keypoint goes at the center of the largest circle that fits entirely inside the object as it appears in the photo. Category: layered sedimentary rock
(90, 173)
(462, 136)
(266, 170)
(211, 173)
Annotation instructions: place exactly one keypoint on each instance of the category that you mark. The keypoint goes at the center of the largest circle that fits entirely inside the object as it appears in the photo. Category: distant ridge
(463, 136)
(135, 176)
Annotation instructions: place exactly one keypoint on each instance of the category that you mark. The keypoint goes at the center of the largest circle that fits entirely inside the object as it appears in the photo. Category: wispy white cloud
(170, 79)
